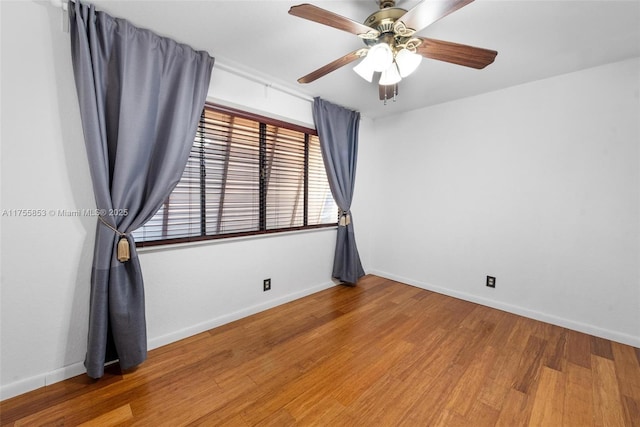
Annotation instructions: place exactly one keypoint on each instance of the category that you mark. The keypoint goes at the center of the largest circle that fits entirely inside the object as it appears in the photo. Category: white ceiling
(534, 40)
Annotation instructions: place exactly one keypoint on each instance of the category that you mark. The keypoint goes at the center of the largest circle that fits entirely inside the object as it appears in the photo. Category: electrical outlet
(266, 285)
(491, 281)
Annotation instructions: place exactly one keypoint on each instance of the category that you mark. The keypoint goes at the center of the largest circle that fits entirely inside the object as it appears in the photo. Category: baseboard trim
(42, 380)
(236, 315)
(521, 311)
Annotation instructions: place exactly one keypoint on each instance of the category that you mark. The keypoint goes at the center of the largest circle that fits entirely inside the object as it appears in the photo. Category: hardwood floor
(379, 354)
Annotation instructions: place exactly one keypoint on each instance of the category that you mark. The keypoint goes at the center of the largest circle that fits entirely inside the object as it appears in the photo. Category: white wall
(537, 185)
(46, 261)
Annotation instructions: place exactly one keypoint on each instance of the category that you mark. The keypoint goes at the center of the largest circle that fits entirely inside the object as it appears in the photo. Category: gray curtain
(338, 133)
(141, 96)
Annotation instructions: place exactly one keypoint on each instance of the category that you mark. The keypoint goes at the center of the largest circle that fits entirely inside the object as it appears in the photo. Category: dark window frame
(263, 230)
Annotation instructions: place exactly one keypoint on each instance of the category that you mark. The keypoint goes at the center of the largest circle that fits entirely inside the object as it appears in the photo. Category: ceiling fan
(392, 50)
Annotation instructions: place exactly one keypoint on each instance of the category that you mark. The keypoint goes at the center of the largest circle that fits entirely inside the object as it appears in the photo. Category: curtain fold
(338, 133)
(140, 96)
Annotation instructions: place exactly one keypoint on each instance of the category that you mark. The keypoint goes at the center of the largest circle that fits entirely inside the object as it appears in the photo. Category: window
(245, 175)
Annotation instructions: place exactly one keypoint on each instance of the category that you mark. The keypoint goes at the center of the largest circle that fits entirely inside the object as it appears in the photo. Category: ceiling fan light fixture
(407, 62)
(365, 69)
(390, 76)
(380, 56)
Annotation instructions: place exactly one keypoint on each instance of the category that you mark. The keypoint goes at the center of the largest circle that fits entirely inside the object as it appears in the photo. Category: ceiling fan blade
(455, 53)
(323, 16)
(387, 92)
(429, 11)
(332, 66)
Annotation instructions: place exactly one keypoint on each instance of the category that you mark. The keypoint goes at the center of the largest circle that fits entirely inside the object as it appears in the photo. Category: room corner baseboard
(521, 311)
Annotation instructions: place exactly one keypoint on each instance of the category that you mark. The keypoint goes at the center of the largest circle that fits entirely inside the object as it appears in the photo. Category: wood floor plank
(430, 405)
(401, 393)
(578, 349)
(364, 377)
(578, 400)
(380, 353)
(548, 404)
(112, 418)
(323, 409)
(556, 348)
(530, 365)
(481, 414)
(465, 393)
(493, 394)
(506, 368)
(632, 411)
(520, 332)
(627, 369)
(608, 409)
(516, 409)
(264, 404)
(601, 347)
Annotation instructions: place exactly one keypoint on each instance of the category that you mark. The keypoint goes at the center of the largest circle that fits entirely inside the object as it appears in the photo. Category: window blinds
(245, 175)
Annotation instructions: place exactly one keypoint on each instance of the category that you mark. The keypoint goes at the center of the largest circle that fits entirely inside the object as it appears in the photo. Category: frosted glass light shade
(365, 69)
(381, 56)
(390, 76)
(407, 62)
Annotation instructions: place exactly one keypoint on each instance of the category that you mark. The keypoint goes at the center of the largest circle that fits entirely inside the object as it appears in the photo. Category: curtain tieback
(124, 253)
(345, 219)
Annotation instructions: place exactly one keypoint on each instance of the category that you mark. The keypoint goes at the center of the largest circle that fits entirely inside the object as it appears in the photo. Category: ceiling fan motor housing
(383, 21)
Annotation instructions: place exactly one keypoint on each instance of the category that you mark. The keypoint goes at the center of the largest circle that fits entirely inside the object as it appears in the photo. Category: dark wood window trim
(210, 215)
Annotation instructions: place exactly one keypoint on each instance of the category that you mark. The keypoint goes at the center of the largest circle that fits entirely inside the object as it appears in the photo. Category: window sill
(158, 247)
